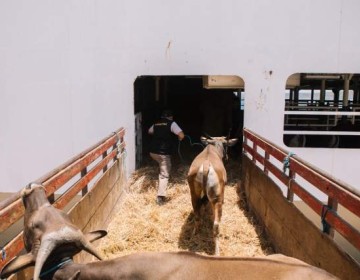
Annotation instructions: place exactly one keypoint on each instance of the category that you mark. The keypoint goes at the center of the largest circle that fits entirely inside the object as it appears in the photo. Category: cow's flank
(185, 265)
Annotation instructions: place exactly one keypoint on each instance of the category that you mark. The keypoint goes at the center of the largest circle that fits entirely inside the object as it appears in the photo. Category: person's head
(168, 114)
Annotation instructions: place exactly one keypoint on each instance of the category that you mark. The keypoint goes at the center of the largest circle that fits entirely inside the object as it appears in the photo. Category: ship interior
(322, 110)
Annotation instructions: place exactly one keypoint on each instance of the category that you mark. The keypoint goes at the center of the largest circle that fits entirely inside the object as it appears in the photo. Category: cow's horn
(88, 247)
(46, 247)
(53, 240)
(207, 136)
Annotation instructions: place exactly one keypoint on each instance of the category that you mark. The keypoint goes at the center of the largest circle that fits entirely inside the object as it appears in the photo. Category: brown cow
(180, 265)
(49, 230)
(207, 179)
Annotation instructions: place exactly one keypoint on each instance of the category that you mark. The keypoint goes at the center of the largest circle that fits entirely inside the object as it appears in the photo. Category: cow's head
(219, 143)
(48, 232)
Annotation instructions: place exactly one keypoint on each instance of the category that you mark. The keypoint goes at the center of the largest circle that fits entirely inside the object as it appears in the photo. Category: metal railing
(87, 166)
(337, 192)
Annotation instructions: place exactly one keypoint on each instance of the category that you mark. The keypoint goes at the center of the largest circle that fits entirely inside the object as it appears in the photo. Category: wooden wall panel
(96, 208)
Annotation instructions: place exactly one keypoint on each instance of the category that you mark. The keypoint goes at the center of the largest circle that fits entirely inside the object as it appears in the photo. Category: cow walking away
(207, 178)
(49, 233)
(181, 265)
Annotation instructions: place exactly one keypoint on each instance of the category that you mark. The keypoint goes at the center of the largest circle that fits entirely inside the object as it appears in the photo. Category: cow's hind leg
(216, 227)
(196, 202)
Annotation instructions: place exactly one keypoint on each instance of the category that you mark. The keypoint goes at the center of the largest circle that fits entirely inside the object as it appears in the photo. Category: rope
(121, 156)
(56, 267)
(324, 210)
(118, 153)
(286, 161)
(3, 253)
(191, 144)
(179, 153)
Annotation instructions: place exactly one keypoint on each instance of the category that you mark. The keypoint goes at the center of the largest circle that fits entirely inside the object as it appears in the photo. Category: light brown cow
(181, 265)
(48, 230)
(207, 179)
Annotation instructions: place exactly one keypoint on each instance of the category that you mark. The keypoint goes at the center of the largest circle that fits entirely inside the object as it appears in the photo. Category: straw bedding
(141, 225)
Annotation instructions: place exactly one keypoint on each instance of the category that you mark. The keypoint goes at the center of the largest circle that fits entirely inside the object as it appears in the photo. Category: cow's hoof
(160, 200)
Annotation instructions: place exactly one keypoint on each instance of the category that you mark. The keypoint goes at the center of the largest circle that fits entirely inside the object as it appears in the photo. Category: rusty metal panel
(13, 212)
(12, 249)
(64, 199)
(347, 199)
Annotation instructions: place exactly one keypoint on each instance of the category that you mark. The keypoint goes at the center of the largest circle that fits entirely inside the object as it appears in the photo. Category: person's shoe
(160, 200)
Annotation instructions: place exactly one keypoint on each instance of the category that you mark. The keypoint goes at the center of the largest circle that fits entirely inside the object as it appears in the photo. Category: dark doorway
(199, 111)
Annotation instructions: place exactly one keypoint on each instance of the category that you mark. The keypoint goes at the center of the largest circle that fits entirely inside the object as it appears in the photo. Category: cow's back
(208, 154)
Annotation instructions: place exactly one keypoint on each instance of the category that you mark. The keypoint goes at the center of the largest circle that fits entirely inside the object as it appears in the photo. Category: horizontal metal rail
(104, 152)
(336, 191)
(322, 113)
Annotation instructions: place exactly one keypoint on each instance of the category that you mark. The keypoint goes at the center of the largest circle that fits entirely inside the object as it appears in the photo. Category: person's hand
(181, 136)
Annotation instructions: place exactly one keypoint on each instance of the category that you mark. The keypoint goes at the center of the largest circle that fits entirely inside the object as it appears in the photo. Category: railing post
(84, 191)
(333, 206)
(245, 144)
(116, 146)
(115, 158)
(290, 192)
(267, 157)
(255, 152)
(51, 198)
(104, 156)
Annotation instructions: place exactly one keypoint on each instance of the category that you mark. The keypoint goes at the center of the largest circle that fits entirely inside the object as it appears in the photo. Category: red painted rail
(99, 155)
(337, 192)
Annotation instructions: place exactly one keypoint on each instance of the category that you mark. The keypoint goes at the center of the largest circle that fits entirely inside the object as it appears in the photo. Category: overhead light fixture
(322, 77)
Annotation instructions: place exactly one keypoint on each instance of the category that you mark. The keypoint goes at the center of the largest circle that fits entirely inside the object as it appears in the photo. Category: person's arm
(177, 130)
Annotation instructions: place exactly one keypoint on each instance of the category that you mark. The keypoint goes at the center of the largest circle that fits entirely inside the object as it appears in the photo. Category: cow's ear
(75, 276)
(231, 142)
(95, 235)
(17, 264)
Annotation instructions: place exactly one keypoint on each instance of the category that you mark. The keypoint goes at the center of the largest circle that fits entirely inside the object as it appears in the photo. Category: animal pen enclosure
(138, 224)
(93, 183)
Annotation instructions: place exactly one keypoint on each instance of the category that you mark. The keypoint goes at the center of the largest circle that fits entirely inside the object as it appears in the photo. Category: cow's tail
(206, 169)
